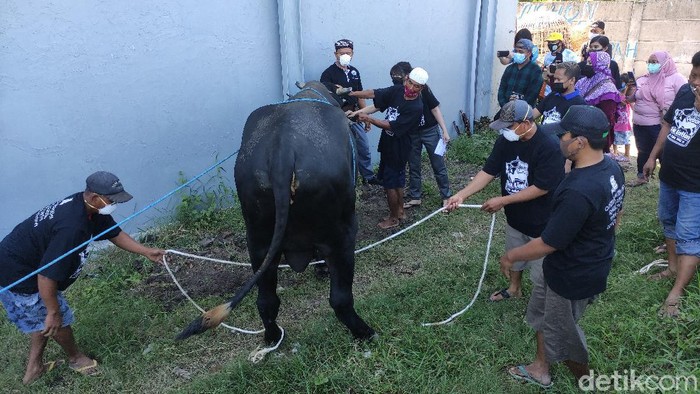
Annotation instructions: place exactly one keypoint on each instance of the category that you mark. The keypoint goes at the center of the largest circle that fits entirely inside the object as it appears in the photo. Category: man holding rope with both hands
(37, 306)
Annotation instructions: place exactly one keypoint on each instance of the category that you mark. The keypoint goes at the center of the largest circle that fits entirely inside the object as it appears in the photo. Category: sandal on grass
(523, 376)
(51, 365)
(504, 295)
(389, 223)
(87, 370)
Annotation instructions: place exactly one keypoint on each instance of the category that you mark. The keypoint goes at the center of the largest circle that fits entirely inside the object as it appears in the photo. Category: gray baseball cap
(513, 111)
(107, 184)
(584, 120)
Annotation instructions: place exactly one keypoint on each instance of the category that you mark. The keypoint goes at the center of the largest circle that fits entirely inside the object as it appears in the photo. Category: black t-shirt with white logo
(680, 168)
(404, 117)
(582, 229)
(349, 78)
(555, 105)
(520, 164)
(46, 235)
(430, 102)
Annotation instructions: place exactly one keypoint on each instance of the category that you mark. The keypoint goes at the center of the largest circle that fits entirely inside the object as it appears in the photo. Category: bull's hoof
(321, 271)
(367, 334)
(272, 335)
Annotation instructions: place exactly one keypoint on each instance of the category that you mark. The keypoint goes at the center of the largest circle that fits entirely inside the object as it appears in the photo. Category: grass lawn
(422, 276)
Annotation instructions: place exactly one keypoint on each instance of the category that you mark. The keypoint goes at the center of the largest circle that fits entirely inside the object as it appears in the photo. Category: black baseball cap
(107, 184)
(512, 112)
(584, 120)
(343, 43)
(599, 24)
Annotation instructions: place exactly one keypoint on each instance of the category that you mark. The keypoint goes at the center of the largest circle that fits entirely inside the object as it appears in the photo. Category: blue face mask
(654, 68)
(518, 58)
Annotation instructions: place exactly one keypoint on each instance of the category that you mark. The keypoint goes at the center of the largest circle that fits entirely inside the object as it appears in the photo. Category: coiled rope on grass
(261, 352)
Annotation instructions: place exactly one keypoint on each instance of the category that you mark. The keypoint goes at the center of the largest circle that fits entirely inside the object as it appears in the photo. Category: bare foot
(667, 273)
(33, 373)
(670, 308)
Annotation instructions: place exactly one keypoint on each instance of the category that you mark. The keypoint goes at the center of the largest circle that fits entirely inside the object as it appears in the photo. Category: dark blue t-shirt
(404, 117)
(46, 235)
(680, 167)
(582, 230)
(520, 164)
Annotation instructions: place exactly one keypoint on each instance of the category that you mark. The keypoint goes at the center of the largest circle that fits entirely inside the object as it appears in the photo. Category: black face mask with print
(587, 70)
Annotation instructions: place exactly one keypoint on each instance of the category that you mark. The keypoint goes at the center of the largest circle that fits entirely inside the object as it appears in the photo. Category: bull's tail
(282, 177)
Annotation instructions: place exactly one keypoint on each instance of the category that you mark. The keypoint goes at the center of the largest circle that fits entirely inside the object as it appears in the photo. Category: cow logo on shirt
(613, 183)
(422, 121)
(516, 176)
(392, 114)
(686, 122)
(551, 116)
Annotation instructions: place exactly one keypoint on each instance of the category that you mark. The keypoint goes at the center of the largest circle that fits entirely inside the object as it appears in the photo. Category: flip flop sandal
(412, 203)
(503, 293)
(87, 370)
(525, 377)
(388, 226)
(51, 365)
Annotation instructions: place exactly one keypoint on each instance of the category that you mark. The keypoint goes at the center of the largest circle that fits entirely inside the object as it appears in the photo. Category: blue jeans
(364, 160)
(679, 214)
(644, 139)
(428, 138)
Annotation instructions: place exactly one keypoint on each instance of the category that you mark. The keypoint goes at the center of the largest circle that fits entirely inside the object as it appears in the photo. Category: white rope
(259, 353)
(182, 290)
(481, 281)
(648, 267)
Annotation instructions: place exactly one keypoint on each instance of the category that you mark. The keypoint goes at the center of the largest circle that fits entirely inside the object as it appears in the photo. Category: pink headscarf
(657, 82)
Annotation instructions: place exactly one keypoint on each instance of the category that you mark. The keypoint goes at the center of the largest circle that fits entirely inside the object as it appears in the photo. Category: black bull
(295, 180)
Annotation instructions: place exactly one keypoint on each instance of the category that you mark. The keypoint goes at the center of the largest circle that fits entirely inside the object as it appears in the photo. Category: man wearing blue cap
(523, 78)
(37, 305)
(577, 244)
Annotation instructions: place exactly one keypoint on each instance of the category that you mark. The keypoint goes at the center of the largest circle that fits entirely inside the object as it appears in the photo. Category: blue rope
(149, 206)
(304, 99)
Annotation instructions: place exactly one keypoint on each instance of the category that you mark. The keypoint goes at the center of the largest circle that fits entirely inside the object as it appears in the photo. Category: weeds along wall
(149, 90)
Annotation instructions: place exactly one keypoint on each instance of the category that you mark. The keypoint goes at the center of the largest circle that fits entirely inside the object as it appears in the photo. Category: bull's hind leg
(269, 303)
(341, 264)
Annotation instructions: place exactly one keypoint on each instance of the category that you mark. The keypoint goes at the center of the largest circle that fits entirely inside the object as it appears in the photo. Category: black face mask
(397, 81)
(558, 87)
(587, 70)
(553, 47)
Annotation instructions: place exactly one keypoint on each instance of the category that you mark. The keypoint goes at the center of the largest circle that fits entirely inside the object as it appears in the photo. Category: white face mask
(510, 135)
(344, 60)
(592, 35)
(107, 209)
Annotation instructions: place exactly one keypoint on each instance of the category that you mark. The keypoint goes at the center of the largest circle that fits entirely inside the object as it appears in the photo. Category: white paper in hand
(441, 148)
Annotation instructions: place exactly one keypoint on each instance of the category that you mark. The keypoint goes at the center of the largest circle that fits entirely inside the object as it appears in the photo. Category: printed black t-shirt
(349, 78)
(430, 102)
(555, 105)
(403, 116)
(46, 235)
(680, 167)
(520, 164)
(582, 229)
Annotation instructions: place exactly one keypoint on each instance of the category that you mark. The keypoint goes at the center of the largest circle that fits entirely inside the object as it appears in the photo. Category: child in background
(623, 125)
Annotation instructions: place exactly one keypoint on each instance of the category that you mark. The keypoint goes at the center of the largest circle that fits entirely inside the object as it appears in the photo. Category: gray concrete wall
(636, 28)
(149, 89)
(142, 89)
(432, 35)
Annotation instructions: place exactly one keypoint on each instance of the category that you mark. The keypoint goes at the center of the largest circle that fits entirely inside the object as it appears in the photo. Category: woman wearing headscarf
(652, 95)
(598, 88)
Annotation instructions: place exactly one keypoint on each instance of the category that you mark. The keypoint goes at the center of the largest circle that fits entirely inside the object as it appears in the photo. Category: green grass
(424, 275)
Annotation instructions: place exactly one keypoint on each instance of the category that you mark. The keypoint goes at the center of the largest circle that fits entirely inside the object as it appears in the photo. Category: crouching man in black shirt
(37, 305)
(578, 242)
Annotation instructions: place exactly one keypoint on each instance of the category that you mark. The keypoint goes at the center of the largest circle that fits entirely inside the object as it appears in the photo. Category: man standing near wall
(521, 80)
(37, 305)
(342, 74)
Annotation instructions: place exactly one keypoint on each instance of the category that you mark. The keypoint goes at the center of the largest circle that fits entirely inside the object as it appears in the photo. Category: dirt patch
(212, 279)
